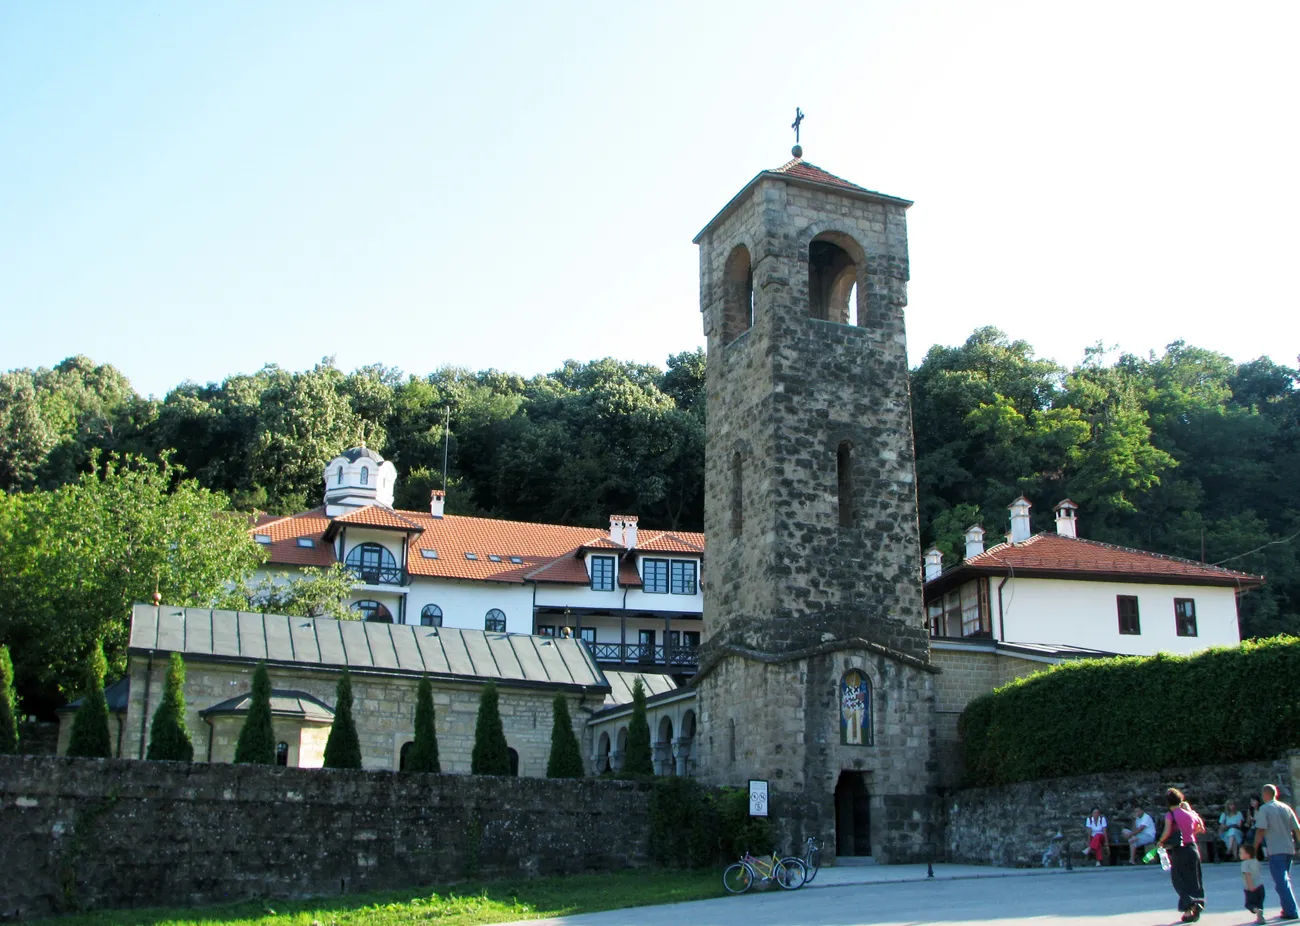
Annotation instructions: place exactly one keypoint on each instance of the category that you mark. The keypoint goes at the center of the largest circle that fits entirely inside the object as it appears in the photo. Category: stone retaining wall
(90, 833)
(1013, 824)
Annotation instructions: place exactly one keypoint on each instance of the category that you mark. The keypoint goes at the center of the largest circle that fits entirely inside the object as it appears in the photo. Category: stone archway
(852, 815)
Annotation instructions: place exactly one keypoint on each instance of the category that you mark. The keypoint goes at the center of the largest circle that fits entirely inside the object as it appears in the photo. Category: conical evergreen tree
(256, 745)
(90, 737)
(8, 705)
(343, 749)
(491, 755)
(566, 757)
(639, 760)
(169, 738)
(423, 756)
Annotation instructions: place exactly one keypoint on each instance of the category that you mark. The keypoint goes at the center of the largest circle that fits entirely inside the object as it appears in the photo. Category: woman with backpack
(1182, 824)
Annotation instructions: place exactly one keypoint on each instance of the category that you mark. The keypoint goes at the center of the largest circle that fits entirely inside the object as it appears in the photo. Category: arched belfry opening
(737, 294)
(833, 263)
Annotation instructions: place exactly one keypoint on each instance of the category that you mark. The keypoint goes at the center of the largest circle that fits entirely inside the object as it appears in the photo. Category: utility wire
(1257, 549)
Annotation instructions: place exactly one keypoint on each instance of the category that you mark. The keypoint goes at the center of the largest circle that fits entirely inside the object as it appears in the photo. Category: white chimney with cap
(933, 563)
(974, 541)
(1020, 530)
(622, 530)
(437, 501)
(1067, 522)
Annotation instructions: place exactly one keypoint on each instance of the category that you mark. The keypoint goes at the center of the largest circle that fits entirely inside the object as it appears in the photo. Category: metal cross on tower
(798, 118)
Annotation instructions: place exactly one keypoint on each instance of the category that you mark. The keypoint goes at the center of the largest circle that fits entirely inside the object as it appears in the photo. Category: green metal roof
(364, 646)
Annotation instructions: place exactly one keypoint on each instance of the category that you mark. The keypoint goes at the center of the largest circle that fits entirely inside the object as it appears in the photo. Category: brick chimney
(1067, 522)
(622, 530)
(974, 541)
(933, 563)
(437, 500)
(1020, 530)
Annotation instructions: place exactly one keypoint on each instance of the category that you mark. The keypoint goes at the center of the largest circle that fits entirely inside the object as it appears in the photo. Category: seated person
(1142, 834)
(1231, 822)
(1096, 826)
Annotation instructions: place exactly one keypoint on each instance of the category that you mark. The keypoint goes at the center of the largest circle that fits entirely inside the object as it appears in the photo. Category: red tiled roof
(546, 552)
(377, 516)
(285, 532)
(1051, 555)
(801, 169)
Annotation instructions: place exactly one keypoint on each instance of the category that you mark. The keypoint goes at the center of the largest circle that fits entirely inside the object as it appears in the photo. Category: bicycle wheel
(790, 873)
(737, 878)
(813, 862)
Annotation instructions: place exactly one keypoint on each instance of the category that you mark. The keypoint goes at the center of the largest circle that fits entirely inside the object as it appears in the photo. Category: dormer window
(264, 539)
(602, 573)
(365, 475)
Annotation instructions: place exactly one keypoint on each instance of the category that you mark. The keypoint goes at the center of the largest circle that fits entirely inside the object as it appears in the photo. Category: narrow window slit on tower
(844, 479)
(737, 495)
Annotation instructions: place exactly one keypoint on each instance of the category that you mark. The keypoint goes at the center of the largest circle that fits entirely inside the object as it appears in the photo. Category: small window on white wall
(495, 621)
(1185, 616)
(365, 475)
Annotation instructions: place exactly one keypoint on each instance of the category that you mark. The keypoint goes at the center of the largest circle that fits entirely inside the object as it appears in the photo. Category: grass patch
(466, 904)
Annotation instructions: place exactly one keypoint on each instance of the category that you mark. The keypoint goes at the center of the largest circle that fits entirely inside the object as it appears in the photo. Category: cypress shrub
(8, 705)
(90, 737)
(343, 749)
(566, 758)
(491, 755)
(256, 745)
(423, 756)
(169, 738)
(1159, 711)
(639, 760)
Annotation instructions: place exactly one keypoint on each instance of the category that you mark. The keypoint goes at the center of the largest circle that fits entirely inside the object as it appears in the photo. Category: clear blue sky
(190, 190)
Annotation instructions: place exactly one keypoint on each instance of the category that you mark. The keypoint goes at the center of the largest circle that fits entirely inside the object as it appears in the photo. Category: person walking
(1182, 824)
(1276, 822)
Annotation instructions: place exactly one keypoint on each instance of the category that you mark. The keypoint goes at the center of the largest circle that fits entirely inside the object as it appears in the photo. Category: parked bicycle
(790, 873)
(812, 858)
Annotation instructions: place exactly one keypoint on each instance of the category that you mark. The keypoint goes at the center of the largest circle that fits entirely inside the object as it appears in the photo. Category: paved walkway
(902, 895)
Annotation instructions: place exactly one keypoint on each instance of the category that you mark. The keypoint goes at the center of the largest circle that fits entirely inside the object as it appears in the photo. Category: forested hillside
(1186, 453)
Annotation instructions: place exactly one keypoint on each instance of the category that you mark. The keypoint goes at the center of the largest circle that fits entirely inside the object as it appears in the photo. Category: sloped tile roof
(1050, 555)
(364, 646)
(800, 168)
(545, 552)
(285, 532)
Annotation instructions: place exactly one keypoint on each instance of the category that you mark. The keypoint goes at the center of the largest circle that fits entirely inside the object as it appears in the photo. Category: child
(1250, 879)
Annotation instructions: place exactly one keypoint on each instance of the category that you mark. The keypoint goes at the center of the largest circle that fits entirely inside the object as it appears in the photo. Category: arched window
(514, 762)
(602, 754)
(495, 621)
(855, 709)
(372, 564)
(281, 753)
(431, 616)
(833, 261)
(403, 754)
(844, 481)
(737, 495)
(338, 477)
(737, 295)
(373, 611)
(663, 748)
(365, 475)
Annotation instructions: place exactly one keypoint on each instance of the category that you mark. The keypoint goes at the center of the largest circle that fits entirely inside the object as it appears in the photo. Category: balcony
(638, 655)
(385, 574)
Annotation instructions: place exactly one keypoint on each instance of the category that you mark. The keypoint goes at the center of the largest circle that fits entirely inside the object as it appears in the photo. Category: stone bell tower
(815, 673)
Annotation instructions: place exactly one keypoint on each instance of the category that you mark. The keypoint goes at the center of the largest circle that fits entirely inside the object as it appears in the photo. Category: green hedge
(692, 826)
(1137, 713)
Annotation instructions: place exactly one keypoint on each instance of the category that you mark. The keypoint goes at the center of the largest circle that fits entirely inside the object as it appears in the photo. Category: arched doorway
(852, 815)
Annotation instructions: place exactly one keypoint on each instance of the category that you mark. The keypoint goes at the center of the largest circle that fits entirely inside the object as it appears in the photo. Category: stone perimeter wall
(1012, 825)
(92, 833)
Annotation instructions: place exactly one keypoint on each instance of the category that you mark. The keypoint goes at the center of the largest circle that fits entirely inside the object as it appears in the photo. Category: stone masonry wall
(90, 833)
(966, 673)
(1013, 825)
(383, 707)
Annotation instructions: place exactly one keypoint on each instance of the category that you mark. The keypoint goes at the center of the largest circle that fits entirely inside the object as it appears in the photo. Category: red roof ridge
(992, 554)
(372, 513)
(805, 170)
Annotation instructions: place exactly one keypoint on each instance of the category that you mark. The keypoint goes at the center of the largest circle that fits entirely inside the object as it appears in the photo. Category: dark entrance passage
(852, 815)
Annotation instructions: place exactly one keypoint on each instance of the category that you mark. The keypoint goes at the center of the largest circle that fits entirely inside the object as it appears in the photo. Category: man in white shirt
(1142, 834)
